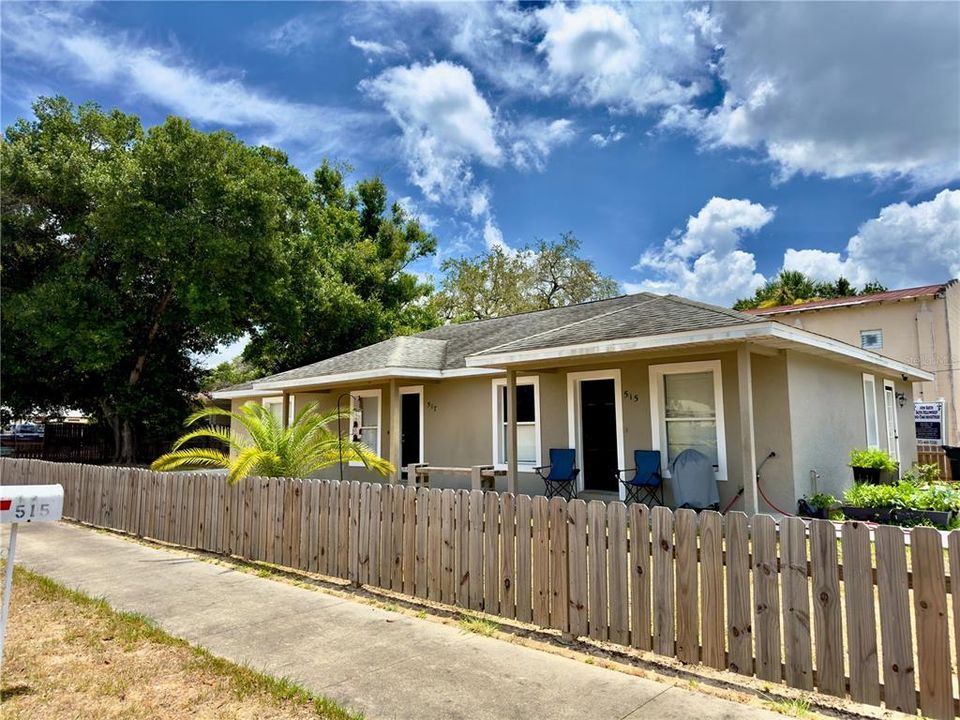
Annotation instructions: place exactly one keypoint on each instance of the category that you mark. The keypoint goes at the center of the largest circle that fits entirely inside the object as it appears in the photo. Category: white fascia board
(378, 374)
(743, 332)
(228, 394)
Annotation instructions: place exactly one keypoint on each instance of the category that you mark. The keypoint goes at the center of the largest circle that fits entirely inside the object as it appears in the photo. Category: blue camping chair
(647, 482)
(562, 479)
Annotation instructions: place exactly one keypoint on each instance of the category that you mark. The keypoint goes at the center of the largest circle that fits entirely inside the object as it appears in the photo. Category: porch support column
(395, 429)
(512, 431)
(748, 451)
(285, 420)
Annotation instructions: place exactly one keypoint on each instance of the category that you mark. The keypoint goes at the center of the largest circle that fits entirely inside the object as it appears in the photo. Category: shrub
(872, 496)
(872, 458)
(922, 475)
(822, 501)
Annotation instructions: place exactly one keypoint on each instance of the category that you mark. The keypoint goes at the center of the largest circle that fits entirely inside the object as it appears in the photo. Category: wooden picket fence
(736, 593)
(935, 455)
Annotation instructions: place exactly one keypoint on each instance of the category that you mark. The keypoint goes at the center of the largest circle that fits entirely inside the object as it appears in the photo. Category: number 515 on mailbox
(31, 503)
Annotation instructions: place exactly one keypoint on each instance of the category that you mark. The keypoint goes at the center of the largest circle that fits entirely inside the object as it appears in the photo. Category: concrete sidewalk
(385, 664)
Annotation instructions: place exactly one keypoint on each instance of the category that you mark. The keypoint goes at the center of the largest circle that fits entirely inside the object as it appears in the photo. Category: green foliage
(922, 475)
(231, 372)
(267, 449)
(872, 458)
(863, 495)
(822, 501)
(125, 251)
(500, 282)
(344, 281)
(792, 287)
(940, 497)
(478, 625)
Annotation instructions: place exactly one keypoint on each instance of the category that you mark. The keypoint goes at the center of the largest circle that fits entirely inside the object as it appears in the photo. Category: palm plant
(268, 449)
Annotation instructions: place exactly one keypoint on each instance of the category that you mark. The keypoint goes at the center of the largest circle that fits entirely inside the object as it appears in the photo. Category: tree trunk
(113, 420)
(128, 444)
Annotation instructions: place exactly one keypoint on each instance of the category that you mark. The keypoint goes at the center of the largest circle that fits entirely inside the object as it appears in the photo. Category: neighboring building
(608, 377)
(919, 326)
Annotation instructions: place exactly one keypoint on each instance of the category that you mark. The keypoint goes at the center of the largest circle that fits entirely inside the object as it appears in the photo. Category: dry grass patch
(68, 655)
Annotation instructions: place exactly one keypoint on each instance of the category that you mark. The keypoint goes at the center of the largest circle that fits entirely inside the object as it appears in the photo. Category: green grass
(478, 625)
(797, 708)
(132, 628)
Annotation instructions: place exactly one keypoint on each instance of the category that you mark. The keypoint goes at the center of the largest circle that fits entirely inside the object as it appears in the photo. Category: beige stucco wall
(773, 433)
(826, 409)
(807, 410)
(923, 332)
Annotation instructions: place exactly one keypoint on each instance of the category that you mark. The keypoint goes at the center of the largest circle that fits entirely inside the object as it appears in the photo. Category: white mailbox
(23, 504)
(31, 503)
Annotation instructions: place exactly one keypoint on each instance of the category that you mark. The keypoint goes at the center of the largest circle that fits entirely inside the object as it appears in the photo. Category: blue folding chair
(647, 482)
(562, 479)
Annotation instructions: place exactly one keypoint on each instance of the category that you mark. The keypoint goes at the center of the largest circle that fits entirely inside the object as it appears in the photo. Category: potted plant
(865, 501)
(868, 463)
(932, 504)
(819, 506)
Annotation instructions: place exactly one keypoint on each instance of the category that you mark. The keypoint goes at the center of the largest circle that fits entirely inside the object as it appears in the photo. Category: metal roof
(890, 295)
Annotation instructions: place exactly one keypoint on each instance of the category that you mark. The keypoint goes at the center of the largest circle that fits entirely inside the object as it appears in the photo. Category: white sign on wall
(928, 417)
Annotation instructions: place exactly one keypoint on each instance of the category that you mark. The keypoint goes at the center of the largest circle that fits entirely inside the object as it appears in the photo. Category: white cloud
(704, 261)
(293, 34)
(838, 89)
(70, 42)
(635, 57)
(492, 236)
(614, 135)
(905, 245)
(446, 124)
(427, 221)
(372, 48)
(532, 141)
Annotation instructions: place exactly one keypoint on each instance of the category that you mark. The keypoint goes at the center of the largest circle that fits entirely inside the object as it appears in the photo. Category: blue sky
(693, 148)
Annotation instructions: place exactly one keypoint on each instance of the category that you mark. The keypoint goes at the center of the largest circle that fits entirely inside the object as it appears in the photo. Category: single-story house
(607, 377)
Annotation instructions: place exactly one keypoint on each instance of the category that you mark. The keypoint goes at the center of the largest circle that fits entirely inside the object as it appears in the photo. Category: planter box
(870, 476)
(877, 515)
(939, 518)
(805, 509)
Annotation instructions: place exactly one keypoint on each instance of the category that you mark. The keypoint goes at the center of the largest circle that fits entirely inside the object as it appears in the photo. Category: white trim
(745, 331)
(895, 450)
(379, 396)
(410, 390)
(573, 416)
(870, 380)
(658, 423)
(497, 425)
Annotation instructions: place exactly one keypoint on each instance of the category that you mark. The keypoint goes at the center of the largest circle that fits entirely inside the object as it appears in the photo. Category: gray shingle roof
(446, 347)
(405, 351)
(649, 315)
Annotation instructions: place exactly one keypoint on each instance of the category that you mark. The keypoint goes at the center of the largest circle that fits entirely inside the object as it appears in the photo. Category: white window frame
(889, 385)
(658, 420)
(878, 331)
(573, 417)
(497, 426)
(410, 390)
(278, 400)
(870, 390)
(354, 394)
